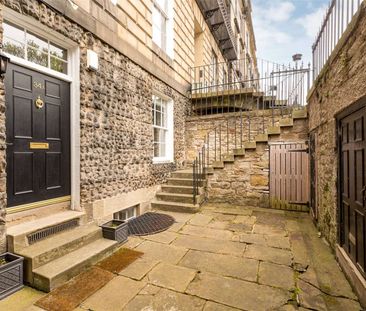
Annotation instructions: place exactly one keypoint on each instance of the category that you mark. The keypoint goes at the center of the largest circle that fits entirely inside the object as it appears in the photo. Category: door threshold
(29, 206)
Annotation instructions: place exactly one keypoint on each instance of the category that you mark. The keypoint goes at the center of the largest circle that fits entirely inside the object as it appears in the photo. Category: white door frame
(73, 77)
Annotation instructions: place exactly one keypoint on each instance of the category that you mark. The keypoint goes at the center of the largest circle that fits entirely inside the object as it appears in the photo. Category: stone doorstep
(62, 269)
(56, 246)
(17, 235)
(182, 182)
(183, 174)
(175, 207)
(178, 189)
(178, 197)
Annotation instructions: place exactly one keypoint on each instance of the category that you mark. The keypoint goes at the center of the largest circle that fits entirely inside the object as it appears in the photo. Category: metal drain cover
(149, 223)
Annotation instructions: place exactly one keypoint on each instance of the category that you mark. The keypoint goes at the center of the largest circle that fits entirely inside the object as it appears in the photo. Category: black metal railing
(336, 20)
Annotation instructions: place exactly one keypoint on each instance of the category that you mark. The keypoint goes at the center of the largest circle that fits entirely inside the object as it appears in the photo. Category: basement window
(127, 213)
(21, 43)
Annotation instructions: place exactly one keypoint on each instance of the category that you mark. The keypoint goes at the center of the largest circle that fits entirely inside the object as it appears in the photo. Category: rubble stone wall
(341, 84)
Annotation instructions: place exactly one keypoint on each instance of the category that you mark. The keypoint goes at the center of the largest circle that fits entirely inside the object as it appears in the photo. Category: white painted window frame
(169, 144)
(73, 77)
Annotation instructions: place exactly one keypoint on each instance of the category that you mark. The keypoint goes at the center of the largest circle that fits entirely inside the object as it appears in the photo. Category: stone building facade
(338, 88)
(112, 142)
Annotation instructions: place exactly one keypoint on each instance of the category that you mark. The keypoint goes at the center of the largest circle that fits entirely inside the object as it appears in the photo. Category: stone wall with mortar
(115, 115)
(246, 181)
(2, 155)
(340, 84)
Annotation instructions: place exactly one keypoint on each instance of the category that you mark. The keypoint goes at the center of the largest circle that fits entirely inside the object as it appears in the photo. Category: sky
(286, 27)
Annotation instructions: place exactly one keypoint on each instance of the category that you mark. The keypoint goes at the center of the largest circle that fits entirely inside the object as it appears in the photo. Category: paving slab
(252, 238)
(310, 297)
(179, 217)
(274, 255)
(268, 230)
(244, 219)
(21, 300)
(213, 306)
(278, 241)
(138, 269)
(225, 265)
(150, 289)
(237, 293)
(162, 252)
(210, 245)
(165, 237)
(207, 232)
(276, 275)
(176, 226)
(133, 242)
(341, 304)
(172, 277)
(200, 220)
(113, 296)
(165, 300)
(216, 224)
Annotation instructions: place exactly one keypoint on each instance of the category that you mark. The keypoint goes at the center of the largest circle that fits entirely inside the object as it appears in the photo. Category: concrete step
(17, 235)
(177, 189)
(182, 182)
(188, 173)
(239, 152)
(250, 145)
(57, 246)
(175, 197)
(175, 207)
(59, 271)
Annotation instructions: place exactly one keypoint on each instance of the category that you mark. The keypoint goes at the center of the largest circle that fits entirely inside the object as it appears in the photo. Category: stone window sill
(162, 54)
(162, 161)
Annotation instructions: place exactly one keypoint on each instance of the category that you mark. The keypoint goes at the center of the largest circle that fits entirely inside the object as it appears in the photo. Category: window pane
(58, 65)
(14, 48)
(156, 149)
(37, 57)
(14, 39)
(58, 52)
(162, 150)
(37, 43)
(156, 134)
(157, 20)
(158, 118)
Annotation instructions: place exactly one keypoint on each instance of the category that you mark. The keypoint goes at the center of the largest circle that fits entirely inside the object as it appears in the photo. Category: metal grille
(149, 223)
(46, 232)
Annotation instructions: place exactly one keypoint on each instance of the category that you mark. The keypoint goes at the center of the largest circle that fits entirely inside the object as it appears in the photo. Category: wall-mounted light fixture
(3, 63)
(92, 60)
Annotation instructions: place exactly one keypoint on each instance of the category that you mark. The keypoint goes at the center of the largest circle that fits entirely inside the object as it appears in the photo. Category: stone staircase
(54, 258)
(177, 194)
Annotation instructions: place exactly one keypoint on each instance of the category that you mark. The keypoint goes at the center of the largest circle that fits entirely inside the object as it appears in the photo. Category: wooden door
(37, 136)
(352, 141)
(289, 176)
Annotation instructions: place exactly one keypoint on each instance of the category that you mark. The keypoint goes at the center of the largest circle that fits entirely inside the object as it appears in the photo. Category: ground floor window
(162, 119)
(127, 213)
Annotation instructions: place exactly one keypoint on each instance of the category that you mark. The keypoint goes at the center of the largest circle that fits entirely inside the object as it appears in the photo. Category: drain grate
(46, 232)
(149, 223)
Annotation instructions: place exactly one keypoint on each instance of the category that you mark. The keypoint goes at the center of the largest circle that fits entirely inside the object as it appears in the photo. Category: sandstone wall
(341, 83)
(115, 115)
(246, 181)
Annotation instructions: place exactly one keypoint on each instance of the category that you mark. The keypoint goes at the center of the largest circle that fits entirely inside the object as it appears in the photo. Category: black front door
(352, 129)
(37, 136)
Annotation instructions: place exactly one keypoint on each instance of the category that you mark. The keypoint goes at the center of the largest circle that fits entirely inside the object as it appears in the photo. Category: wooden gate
(289, 176)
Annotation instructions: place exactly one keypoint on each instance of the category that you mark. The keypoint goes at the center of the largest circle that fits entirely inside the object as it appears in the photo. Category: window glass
(27, 45)
(160, 126)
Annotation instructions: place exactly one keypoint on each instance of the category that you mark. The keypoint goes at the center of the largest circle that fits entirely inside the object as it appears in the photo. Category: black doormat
(149, 223)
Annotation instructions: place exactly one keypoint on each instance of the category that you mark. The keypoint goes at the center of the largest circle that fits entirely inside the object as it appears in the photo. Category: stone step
(59, 271)
(17, 235)
(299, 114)
(209, 170)
(228, 158)
(175, 197)
(178, 189)
(274, 130)
(286, 122)
(57, 246)
(182, 182)
(239, 152)
(250, 145)
(218, 164)
(261, 138)
(188, 173)
(175, 207)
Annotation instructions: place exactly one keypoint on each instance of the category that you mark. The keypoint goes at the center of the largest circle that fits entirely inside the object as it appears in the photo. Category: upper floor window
(162, 20)
(24, 44)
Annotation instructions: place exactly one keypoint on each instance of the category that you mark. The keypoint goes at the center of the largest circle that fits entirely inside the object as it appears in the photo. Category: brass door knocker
(39, 103)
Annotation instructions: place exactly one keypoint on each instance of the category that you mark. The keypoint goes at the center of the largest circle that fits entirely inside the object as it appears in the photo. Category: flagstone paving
(226, 258)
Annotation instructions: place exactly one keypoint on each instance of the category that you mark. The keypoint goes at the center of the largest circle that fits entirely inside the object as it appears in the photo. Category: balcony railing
(336, 20)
